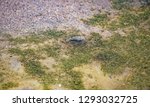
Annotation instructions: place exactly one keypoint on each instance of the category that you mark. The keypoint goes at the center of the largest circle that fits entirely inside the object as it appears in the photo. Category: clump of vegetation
(127, 17)
(15, 51)
(78, 55)
(132, 51)
(8, 85)
(27, 54)
(53, 33)
(76, 80)
(72, 80)
(1, 77)
(127, 4)
(38, 38)
(30, 60)
(28, 39)
(49, 78)
(134, 19)
(7, 77)
(34, 68)
(121, 4)
(97, 20)
(95, 40)
(112, 61)
(75, 61)
(52, 51)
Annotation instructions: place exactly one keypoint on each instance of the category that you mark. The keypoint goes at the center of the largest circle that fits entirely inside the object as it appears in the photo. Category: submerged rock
(77, 40)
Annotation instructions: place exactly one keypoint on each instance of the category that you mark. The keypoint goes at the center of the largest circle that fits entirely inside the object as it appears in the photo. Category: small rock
(77, 40)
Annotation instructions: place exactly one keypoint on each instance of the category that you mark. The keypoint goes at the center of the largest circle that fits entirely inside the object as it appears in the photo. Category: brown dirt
(95, 78)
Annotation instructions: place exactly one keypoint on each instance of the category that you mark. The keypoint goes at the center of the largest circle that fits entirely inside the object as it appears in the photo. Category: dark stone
(77, 40)
(145, 2)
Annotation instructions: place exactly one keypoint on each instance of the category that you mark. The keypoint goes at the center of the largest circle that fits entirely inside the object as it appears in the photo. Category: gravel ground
(21, 16)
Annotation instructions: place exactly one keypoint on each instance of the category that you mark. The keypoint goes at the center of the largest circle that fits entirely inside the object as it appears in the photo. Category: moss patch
(97, 20)
(8, 85)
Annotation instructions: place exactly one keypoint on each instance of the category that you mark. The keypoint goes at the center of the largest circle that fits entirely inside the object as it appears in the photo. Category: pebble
(77, 40)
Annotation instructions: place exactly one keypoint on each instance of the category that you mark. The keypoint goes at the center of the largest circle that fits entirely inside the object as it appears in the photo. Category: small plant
(52, 51)
(53, 33)
(49, 78)
(121, 4)
(78, 56)
(96, 40)
(34, 68)
(29, 59)
(29, 39)
(98, 19)
(128, 19)
(9, 85)
(38, 38)
(25, 54)
(72, 80)
(1, 76)
(132, 51)
(15, 51)
(111, 62)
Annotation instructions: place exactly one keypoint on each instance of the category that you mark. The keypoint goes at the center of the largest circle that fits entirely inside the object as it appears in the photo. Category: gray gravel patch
(20, 16)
